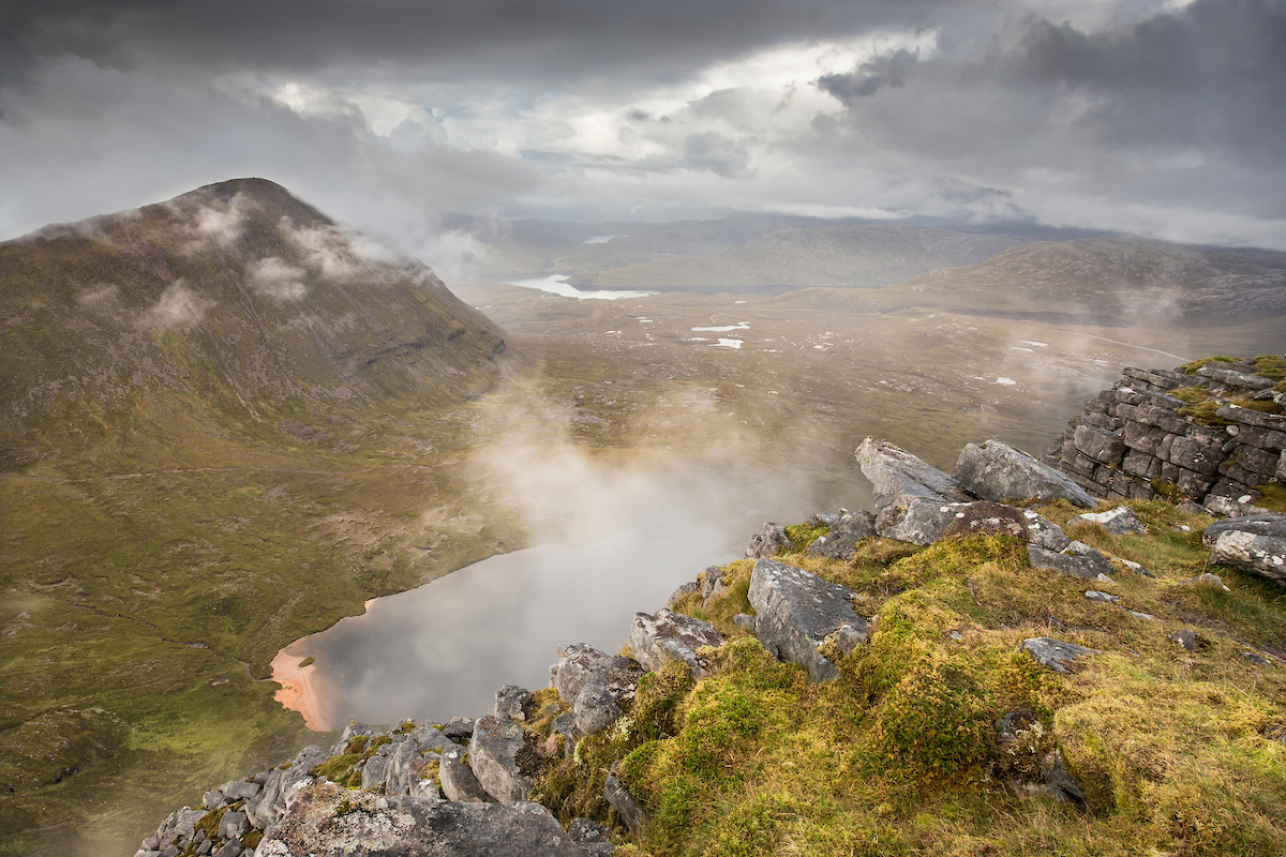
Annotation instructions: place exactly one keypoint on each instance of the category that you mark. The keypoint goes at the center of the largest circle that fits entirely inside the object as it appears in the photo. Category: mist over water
(444, 649)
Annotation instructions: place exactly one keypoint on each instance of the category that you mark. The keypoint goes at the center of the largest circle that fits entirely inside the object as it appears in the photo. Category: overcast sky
(1161, 117)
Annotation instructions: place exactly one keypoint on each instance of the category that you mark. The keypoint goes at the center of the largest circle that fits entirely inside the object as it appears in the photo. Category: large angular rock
(668, 636)
(1077, 559)
(997, 471)
(846, 530)
(988, 518)
(897, 476)
(280, 787)
(331, 821)
(514, 703)
(459, 783)
(493, 755)
(798, 611)
(596, 685)
(918, 520)
(1259, 554)
(1044, 533)
(1272, 525)
(405, 765)
(1105, 447)
(1055, 654)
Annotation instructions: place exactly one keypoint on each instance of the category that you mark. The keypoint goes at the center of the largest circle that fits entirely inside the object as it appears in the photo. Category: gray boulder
(459, 783)
(668, 636)
(331, 821)
(458, 729)
(427, 737)
(712, 584)
(236, 791)
(1055, 654)
(1044, 533)
(798, 611)
(1119, 521)
(767, 541)
(918, 520)
(997, 471)
(1263, 555)
(1272, 525)
(1077, 559)
(514, 703)
(596, 685)
(493, 755)
(846, 530)
(896, 473)
(279, 788)
(987, 518)
(405, 764)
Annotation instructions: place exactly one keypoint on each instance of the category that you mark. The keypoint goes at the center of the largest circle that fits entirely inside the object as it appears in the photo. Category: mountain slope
(236, 294)
(1120, 280)
(225, 422)
(854, 256)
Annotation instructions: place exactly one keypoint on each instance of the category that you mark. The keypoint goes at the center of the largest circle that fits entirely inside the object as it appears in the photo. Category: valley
(208, 454)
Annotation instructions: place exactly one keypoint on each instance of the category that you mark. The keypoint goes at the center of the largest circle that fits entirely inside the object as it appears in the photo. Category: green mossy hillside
(1178, 752)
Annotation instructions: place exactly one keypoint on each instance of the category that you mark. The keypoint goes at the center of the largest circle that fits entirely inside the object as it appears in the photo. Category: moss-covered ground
(1178, 752)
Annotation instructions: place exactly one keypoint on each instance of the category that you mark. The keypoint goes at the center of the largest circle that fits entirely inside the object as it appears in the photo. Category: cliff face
(1209, 432)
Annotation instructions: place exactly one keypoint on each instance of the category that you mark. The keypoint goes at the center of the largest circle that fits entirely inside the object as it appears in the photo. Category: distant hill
(853, 255)
(1118, 280)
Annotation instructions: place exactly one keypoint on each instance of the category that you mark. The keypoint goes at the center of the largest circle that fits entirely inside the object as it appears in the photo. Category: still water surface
(443, 649)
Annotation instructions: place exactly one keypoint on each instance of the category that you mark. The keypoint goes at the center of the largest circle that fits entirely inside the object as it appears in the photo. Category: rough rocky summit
(467, 787)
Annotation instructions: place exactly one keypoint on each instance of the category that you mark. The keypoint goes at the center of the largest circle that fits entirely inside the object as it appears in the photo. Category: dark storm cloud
(1202, 86)
(552, 39)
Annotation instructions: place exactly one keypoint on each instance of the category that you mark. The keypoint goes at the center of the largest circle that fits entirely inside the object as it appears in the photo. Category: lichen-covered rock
(514, 703)
(1077, 559)
(493, 755)
(846, 530)
(1055, 654)
(918, 520)
(997, 471)
(459, 783)
(768, 541)
(278, 789)
(1271, 524)
(798, 611)
(1259, 554)
(331, 821)
(669, 636)
(896, 473)
(987, 518)
(1119, 521)
(1044, 533)
(596, 685)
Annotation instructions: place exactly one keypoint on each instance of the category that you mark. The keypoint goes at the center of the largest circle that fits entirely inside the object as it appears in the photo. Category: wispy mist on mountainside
(237, 295)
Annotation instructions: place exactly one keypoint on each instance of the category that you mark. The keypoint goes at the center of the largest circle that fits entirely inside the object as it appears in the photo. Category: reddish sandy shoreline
(297, 692)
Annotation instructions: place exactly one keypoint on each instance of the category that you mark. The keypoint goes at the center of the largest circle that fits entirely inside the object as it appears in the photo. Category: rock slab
(798, 611)
(330, 821)
(996, 471)
(668, 636)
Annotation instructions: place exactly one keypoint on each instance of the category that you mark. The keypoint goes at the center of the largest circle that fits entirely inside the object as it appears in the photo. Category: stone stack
(1132, 442)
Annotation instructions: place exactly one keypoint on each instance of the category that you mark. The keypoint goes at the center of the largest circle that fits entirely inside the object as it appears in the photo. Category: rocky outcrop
(898, 477)
(798, 612)
(597, 686)
(997, 471)
(656, 640)
(331, 821)
(1135, 441)
(845, 530)
(768, 541)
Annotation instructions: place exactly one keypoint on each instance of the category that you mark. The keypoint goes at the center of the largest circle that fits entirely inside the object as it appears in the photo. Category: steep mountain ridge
(237, 295)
